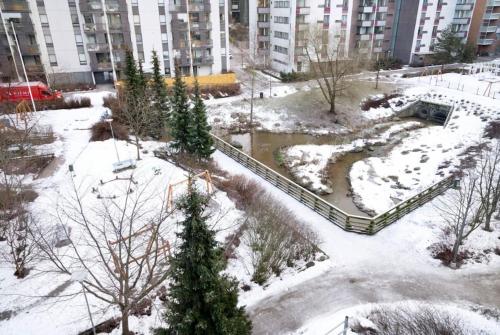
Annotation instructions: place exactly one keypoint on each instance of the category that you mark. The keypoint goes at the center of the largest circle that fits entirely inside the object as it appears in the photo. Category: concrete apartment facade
(66, 41)
(405, 29)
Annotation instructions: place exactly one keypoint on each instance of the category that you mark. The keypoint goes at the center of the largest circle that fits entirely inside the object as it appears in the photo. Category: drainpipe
(110, 45)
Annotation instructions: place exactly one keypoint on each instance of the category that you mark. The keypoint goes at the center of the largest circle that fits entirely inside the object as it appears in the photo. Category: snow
(472, 322)
(308, 163)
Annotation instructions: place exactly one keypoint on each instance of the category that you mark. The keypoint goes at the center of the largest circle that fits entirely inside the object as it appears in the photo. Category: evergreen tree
(141, 79)
(180, 115)
(450, 48)
(200, 141)
(132, 80)
(160, 98)
(201, 301)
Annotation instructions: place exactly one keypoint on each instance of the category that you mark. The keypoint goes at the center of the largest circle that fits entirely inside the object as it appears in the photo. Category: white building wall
(63, 37)
(215, 36)
(151, 33)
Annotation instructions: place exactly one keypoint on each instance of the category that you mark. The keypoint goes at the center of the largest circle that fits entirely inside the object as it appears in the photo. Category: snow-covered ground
(394, 265)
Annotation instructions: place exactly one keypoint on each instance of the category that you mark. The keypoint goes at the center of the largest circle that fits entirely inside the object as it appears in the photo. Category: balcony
(97, 47)
(263, 10)
(491, 16)
(303, 10)
(263, 38)
(464, 7)
(490, 29)
(196, 7)
(93, 27)
(378, 49)
(366, 10)
(382, 9)
(366, 23)
(103, 66)
(263, 24)
(201, 43)
(365, 37)
(30, 49)
(201, 25)
(379, 36)
(486, 41)
(461, 34)
(493, 3)
(380, 23)
(203, 60)
(31, 68)
(15, 6)
(463, 20)
(113, 7)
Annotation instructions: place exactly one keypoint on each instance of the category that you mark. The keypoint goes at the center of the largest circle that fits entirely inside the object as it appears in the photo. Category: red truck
(16, 92)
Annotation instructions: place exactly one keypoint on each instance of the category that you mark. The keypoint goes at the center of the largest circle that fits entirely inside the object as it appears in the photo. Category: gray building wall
(403, 29)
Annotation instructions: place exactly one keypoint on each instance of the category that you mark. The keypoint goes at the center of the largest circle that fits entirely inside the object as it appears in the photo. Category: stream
(263, 147)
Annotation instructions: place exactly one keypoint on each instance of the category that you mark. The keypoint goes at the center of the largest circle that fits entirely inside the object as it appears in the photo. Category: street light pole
(113, 135)
(9, 41)
(24, 68)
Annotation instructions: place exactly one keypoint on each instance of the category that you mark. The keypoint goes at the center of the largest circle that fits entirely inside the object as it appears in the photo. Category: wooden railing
(354, 223)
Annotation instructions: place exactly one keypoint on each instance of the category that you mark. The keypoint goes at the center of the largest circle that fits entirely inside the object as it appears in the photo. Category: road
(335, 291)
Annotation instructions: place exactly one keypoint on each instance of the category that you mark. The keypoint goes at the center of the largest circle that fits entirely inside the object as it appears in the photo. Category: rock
(217, 120)
(310, 264)
(237, 145)
(322, 258)
(235, 115)
(370, 148)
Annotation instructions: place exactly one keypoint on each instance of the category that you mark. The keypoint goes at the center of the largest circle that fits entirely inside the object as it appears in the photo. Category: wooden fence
(354, 223)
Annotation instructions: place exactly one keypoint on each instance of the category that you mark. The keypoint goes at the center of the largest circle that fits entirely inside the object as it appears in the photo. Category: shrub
(241, 189)
(276, 238)
(418, 320)
(388, 63)
(444, 253)
(101, 131)
(493, 129)
(113, 103)
(375, 102)
(288, 77)
(69, 103)
(73, 87)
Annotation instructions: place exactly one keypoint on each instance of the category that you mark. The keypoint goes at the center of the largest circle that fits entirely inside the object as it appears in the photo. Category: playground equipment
(170, 192)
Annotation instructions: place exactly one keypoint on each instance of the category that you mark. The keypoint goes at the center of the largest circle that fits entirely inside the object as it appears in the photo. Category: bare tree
(488, 187)
(136, 113)
(458, 208)
(119, 242)
(328, 66)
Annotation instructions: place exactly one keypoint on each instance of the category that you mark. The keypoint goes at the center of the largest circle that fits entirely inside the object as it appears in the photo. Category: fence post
(346, 325)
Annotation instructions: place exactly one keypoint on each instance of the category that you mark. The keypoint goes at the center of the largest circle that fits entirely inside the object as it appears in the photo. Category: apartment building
(71, 41)
(405, 29)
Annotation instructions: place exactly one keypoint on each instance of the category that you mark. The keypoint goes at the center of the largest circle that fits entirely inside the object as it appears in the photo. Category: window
(281, 34)
(83, 59)
(79, 39)
(263, 18)
(74, 19)
(327, 3)
(88, 18)
(48, 39)
(44, 19)
(281, 4)
(326, 19)
(53, 60)
(138, 38)
(281, 19)
(164, 37)
(163, 19)
(280, 49)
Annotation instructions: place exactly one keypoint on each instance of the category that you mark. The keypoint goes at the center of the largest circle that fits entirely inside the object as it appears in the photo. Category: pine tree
(160, 103)
(200, 141)
(180, 115)
(201, 301)
(141, 79)
(131, 75)
(450, 48)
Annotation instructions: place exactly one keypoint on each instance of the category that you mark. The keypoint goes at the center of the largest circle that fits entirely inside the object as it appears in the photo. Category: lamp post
(10, 44)
(110, 121)
(22, 63)
(80, 277)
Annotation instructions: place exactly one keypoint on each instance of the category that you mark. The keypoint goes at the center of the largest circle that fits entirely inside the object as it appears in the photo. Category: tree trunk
(487, 221)
(125, 326)
(332, 103)
(137, 147)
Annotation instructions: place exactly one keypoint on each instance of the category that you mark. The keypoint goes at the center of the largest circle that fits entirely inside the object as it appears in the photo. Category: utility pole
(110, 44)
(22, 63)
(9, 41)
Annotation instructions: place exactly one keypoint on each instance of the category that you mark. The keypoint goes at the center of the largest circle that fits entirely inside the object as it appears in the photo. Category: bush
(69, 103)
(421, 319)
(241, 190)
(101, 131)
(388, 63)
(73, 87)
(444, 253)
(493, 129)
(291, 76)
(276, 238)
(114, 104)
(376, 102)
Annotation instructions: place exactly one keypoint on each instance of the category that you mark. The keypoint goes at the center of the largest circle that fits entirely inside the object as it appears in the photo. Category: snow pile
(359, 318)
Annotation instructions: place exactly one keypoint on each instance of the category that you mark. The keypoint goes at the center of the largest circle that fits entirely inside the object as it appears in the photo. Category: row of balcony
(491, 16)
(493, 3)
(485, 41)
(93, 27)
(490, 29)
(193, 7)
(464, 7)
(16, 6)
(372, 9)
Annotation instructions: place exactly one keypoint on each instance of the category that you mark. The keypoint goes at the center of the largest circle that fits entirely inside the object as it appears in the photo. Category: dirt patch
(28, 164)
